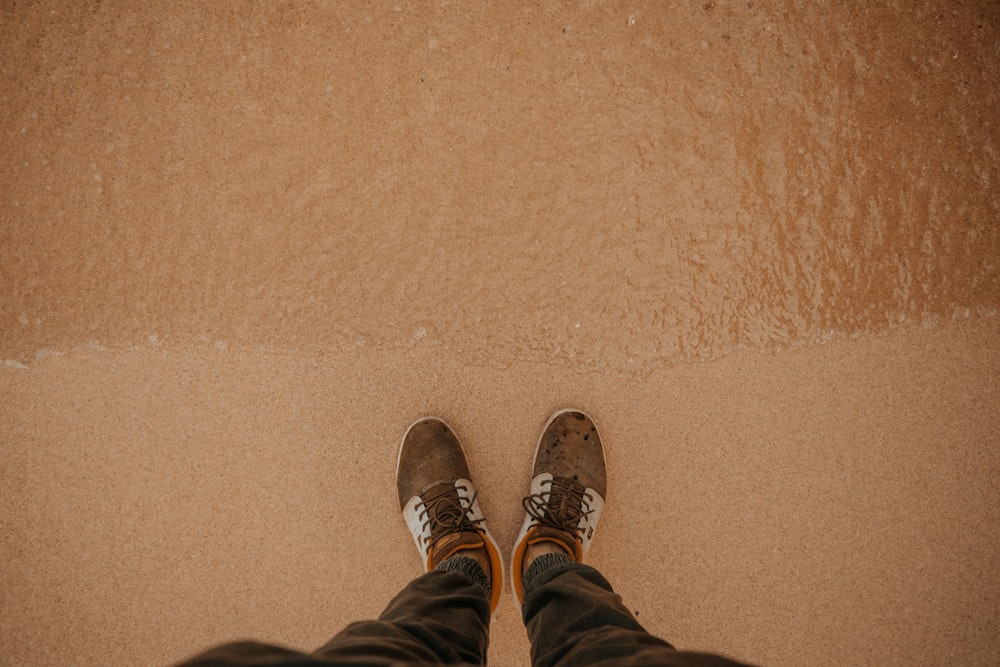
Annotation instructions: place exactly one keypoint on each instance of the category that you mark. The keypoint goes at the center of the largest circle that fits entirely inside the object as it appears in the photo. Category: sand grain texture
(242, 246)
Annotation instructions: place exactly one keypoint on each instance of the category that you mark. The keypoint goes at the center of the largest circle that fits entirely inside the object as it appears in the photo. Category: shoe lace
(445, 513)
(568, 502)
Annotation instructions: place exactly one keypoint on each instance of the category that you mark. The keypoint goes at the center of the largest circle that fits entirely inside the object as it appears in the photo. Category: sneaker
(568, 486)
(439, 501)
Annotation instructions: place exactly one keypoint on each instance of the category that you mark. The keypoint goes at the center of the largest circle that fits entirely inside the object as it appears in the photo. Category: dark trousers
(572, 615)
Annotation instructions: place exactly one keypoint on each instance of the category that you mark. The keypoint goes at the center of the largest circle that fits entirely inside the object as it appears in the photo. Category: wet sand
(241, 248)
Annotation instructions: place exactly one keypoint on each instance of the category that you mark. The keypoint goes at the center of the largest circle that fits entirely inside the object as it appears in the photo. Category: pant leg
(574, 618)
(440, 617)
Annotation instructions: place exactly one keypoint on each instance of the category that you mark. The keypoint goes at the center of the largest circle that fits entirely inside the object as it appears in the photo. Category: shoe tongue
(458, 540)
(452, 543)
(444, 504)
(560, 538)
(565, 496)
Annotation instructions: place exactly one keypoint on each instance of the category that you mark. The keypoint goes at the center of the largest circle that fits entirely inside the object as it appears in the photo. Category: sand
(242, 247)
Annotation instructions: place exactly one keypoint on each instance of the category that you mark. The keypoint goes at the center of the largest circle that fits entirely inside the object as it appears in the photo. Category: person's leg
(444, 615)
(572, 615)
(574, 618)
(441, 617)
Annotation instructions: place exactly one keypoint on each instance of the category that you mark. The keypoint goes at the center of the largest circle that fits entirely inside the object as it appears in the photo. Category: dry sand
(243, 246)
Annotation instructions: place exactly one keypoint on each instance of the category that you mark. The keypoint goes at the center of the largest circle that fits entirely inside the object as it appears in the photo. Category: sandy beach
(242, 247)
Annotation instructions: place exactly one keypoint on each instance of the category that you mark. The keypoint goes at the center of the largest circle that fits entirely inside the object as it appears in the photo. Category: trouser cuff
(469, 567)
(540, 565)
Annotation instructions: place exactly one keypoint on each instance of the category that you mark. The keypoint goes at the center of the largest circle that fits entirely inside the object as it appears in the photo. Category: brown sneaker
(568, 486)
(439, 502)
